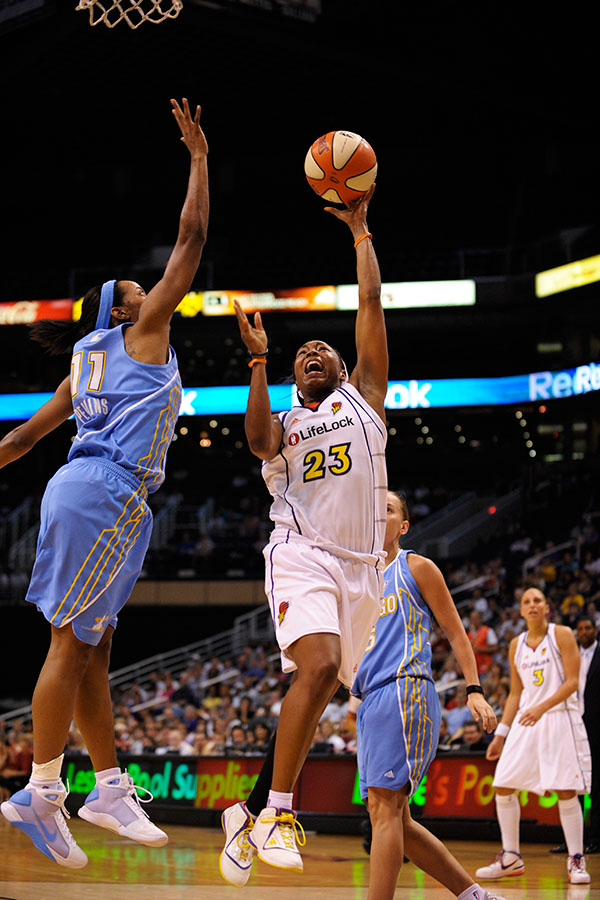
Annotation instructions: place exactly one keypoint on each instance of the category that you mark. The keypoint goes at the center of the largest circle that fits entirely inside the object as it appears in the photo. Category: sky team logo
(283, 608)
(294, 438)
(336, 406)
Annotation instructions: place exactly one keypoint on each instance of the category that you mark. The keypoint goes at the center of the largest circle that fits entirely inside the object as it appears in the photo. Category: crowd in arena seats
(231, 706)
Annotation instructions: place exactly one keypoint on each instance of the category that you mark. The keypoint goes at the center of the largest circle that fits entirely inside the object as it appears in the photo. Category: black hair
(58, 337)
(403, 503)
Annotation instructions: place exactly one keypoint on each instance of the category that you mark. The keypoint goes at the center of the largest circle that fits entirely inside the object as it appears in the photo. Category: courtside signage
(413, 394)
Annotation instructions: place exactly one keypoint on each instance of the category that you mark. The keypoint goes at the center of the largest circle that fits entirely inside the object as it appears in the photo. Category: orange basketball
(340, 166)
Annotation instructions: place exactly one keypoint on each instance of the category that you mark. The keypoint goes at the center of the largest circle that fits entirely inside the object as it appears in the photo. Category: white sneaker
(274, 836)
(506, 863)
(578, 874)
(114, 804)
(40, 813)
(238, 853)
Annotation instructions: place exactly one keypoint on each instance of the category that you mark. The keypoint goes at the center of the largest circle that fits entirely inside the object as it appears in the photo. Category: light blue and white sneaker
(40, 813)
(115, 804)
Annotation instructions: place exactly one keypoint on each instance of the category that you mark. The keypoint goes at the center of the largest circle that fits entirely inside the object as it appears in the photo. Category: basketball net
(134, 12)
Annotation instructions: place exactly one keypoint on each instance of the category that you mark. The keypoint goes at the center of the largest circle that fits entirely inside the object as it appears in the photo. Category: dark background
(483, 117)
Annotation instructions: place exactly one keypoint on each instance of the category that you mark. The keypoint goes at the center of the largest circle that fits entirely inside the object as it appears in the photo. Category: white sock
(280, 801)
(509, 819)
(571, 819)
(107, 773)
(47, 773)
(469, 894)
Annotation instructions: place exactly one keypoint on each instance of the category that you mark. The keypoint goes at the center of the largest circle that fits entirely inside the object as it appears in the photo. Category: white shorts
(552, 755)
(311, 591)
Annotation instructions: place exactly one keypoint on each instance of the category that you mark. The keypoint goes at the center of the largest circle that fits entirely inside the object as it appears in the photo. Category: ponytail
(59, 337)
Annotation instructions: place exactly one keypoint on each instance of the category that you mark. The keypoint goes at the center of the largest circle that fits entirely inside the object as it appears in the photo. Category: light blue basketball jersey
(399, 643)
(126, 410)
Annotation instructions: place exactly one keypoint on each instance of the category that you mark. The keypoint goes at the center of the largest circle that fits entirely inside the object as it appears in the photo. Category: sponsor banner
(24, 312)
(565, 278)
(310, 299)
(455, 786)
(324, 785)
(413, 294)
(413, 394)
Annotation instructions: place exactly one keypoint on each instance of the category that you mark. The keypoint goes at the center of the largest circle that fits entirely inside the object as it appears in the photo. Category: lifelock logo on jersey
(294, 438)
(408, 395)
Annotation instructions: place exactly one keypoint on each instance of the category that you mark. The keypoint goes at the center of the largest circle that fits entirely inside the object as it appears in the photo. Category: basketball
(340, 166)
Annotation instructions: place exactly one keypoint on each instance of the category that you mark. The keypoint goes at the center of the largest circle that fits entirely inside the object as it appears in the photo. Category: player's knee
(324, 674)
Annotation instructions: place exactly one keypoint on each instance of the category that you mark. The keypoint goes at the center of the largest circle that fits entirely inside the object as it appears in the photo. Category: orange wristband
(367, 234)
(258, 359)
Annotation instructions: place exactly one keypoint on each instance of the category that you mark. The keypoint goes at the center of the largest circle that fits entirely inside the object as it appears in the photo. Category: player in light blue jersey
(404, 648)
(398, 718)
(125, 391)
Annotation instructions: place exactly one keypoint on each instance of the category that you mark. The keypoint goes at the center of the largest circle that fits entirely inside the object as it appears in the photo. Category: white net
(134, 12)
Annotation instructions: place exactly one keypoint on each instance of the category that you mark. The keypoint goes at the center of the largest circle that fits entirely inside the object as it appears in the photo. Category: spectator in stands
(457, 712)
(570, 616)
(212, 698)
(262, 735)
(589, 691)
(245, 711)
(330, 736)
(573, 597)
(236, 744)
(484, 641)
(12, 777)
(176, 743)
(184, 693)
(472, 738)
(190, 718)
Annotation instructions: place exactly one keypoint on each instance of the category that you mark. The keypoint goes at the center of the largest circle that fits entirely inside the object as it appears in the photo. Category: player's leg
(93, 711)
(317, 658)
(571, 820)
(114, 802)
(386, 809)
(55, 693)
(509, 861)
(38, 810)
(237, 821)
(432, 856)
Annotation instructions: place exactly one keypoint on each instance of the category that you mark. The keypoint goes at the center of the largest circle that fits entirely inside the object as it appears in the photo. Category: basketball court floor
(335, 868)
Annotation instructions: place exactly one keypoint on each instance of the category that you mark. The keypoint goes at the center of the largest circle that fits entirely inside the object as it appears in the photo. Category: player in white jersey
(324, 464)
(541, 744)
(125, 392)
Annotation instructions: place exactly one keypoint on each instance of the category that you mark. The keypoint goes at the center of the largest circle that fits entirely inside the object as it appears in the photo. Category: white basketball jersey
(329, 479)
(541, 671)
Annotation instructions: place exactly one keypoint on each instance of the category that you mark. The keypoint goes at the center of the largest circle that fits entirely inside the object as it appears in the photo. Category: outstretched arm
(48, 417)
(263, 430)
(370, 376)
(439, 600)
(511, 707)
(159, 305)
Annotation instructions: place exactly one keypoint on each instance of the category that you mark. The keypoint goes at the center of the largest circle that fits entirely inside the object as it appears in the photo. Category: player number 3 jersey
(541, 672)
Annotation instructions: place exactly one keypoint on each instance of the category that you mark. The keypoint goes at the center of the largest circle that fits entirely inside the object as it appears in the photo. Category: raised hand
(355, 213)
(255, 338)
(191, 133)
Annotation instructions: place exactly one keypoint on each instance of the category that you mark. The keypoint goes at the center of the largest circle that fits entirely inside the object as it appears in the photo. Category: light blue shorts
(94, 533)
(398, 727)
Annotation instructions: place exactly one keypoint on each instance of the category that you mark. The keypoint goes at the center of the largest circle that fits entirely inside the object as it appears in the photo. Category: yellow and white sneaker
(274, 836)
(238, 853)
(506, 863)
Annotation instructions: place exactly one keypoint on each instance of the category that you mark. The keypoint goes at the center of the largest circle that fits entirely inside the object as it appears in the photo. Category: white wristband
(502, 730)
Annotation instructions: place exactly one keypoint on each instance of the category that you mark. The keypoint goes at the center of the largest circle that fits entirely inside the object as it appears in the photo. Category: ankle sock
(280, 800)
(47, 773)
